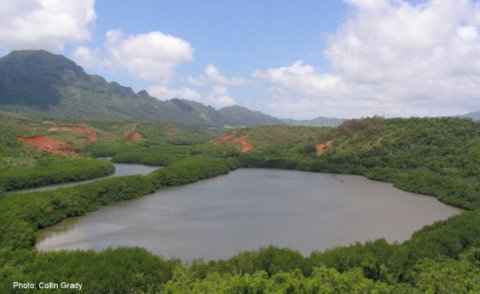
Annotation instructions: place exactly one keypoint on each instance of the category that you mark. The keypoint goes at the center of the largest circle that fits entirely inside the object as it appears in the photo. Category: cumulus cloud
(44, 24)
(86, 57)
(303, 79)
(150, 57)
(214, 75)
(166, 93)
(214, 84)
(391, 57)
(219, 96)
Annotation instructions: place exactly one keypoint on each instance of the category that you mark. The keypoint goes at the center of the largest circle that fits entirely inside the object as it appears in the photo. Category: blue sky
(237, 37)
(297, 59)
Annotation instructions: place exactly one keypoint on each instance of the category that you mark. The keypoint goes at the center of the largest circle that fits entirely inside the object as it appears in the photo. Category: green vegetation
(53, 171)
(22, 166)
(432, 156)
(111, 271)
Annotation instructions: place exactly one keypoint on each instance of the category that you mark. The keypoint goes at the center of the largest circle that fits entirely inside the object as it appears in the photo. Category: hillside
(245, 117)
(42, 84)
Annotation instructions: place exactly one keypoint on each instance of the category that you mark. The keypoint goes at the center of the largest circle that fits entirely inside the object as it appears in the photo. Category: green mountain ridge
(39, 83)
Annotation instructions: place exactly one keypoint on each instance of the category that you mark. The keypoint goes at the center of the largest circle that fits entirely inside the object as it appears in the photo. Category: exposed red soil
(88, 134)
(230, 137)
(133, 136)
(224, 138)
(321, 148)
(246, 146)
(51, 145)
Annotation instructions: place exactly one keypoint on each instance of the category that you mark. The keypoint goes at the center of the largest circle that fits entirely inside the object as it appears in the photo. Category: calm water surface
(250, 208)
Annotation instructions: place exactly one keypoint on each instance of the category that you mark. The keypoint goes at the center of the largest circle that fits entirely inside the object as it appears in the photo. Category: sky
(289, 59)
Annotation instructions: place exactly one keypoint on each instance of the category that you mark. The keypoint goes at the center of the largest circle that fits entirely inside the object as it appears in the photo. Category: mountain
(243, 116)
(320, 121)
(36, 82)
(39, 83)
(473, 115)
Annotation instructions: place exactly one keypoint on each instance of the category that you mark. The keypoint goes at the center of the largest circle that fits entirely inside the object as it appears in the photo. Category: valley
(58, 131)
(381, 149)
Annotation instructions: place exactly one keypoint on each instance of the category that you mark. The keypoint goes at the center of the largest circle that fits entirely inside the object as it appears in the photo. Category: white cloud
(150, 57)
(214, 75)
(44, 24)
(165, 93)
(217, 96)
(214, 85)
(303, 79)
(86, 57)
(392, 58)
(220, 97)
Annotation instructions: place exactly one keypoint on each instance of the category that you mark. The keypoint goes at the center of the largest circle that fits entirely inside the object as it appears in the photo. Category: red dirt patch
(246, 146)
(51, 145)
(224, 138)
(321, 148)
(230, 137)
(133, 136)
(87, 134)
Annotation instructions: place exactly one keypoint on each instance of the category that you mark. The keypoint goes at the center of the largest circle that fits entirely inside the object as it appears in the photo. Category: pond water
(251, 208)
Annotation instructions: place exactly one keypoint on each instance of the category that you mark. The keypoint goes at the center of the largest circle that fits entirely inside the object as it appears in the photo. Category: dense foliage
(432, 156)
(53, 171)
(22, 166)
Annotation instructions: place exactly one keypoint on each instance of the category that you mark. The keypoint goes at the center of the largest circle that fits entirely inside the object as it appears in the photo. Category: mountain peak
(41, 83)
(39, 58)
(31, 77)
